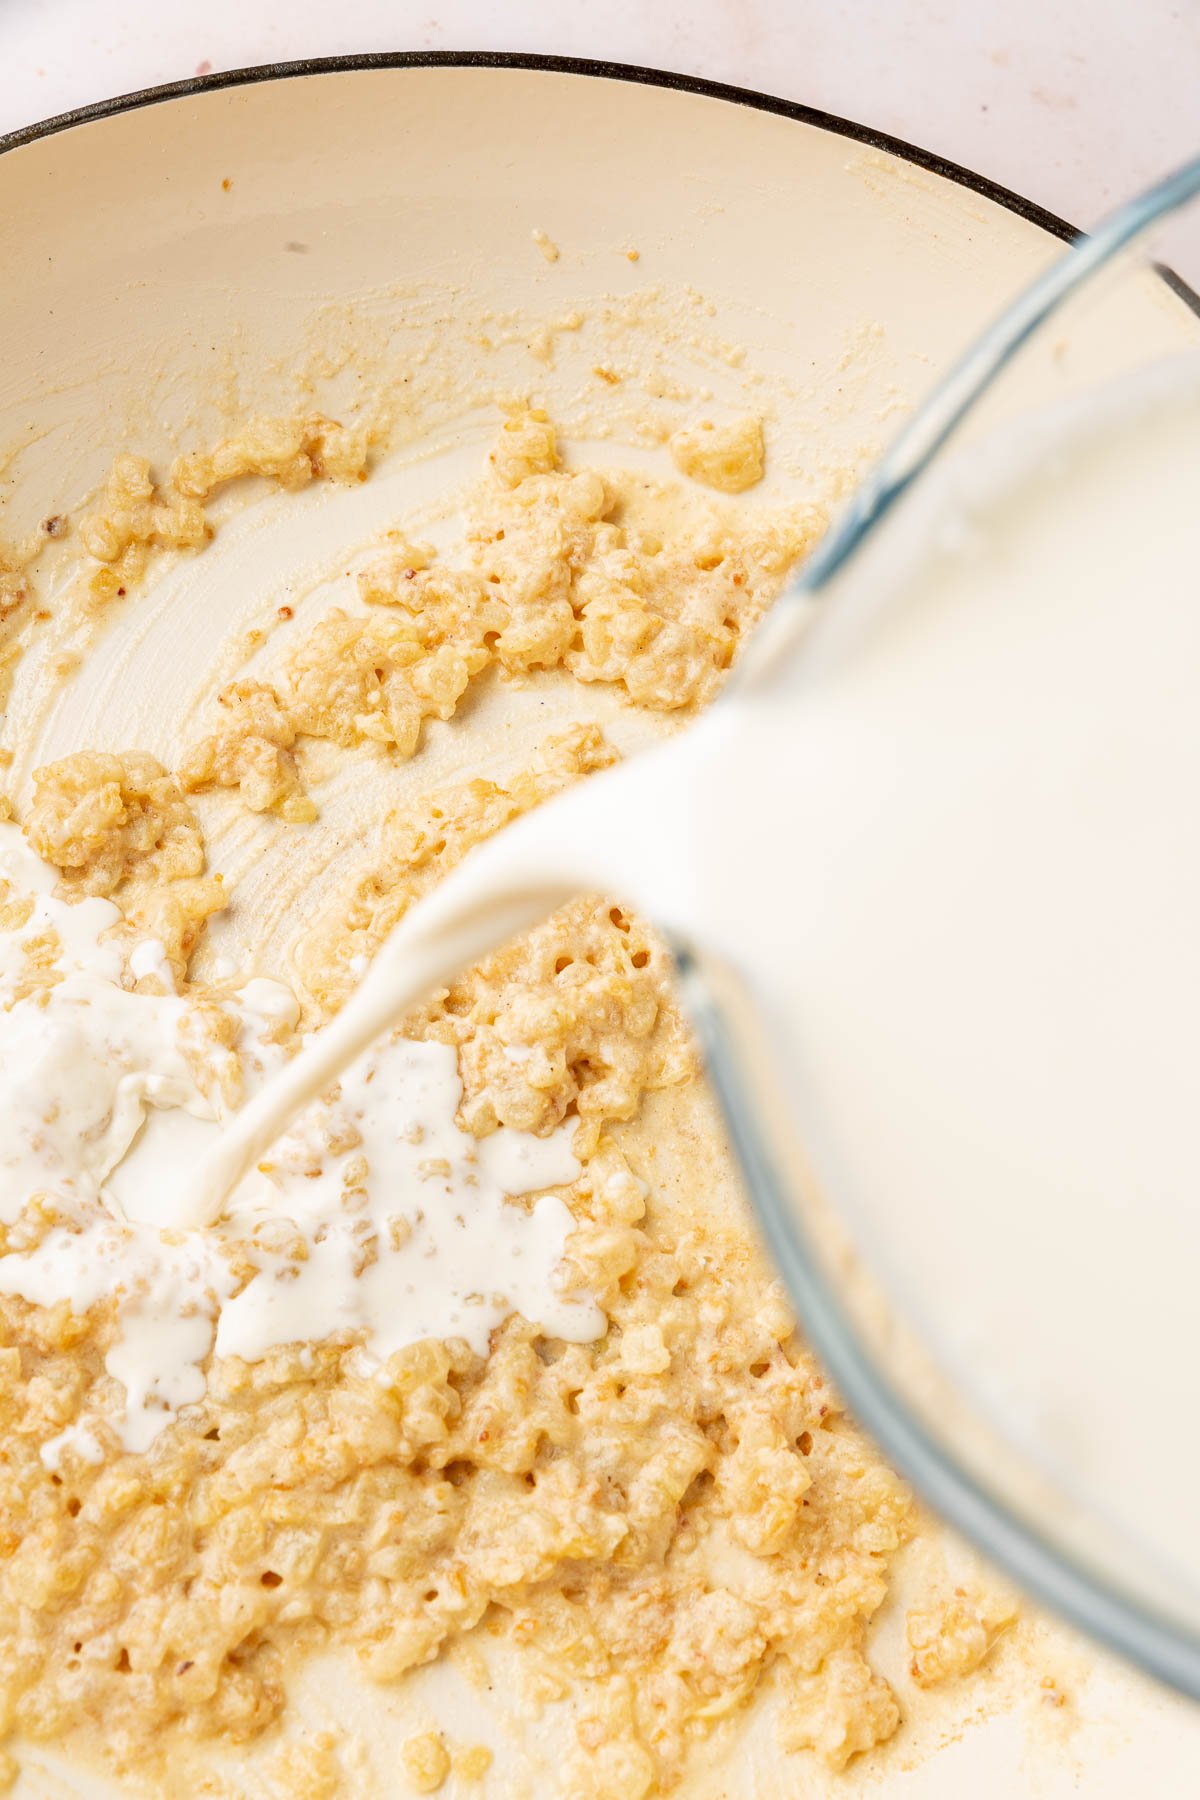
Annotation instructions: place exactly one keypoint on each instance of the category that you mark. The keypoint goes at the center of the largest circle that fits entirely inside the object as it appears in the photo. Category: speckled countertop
(1071, 102)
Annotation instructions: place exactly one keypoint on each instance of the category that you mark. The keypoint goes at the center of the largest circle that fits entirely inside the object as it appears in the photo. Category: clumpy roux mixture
(665, 1512)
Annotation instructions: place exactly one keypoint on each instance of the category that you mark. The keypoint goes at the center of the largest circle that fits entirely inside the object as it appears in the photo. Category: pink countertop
(1073, 103)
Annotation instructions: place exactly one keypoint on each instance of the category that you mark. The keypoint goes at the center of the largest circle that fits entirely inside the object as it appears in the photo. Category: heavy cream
(81, 1056)
(377, 1216)
(411, 1233)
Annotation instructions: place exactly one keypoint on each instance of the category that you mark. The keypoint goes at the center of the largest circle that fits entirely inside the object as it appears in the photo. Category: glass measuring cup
(874, 1307)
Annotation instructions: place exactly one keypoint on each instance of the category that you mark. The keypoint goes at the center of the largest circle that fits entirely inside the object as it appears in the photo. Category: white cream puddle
(378, 1214)
(443, 1252)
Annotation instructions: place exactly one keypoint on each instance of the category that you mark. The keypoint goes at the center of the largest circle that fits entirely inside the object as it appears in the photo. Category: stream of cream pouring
(633, 830)
(941, 825)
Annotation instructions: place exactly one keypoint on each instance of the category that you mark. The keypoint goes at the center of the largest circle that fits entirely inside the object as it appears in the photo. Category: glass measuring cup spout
(955, 397)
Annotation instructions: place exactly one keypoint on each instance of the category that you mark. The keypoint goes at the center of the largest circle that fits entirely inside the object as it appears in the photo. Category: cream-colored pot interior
(417, 242)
